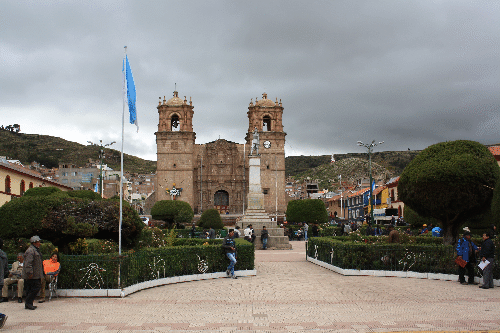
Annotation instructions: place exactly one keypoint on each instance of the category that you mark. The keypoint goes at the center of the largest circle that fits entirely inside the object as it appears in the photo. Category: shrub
(211, 219)
(62, 219)
(151, 237)
(84, 194)
(100, 246)
(307, 210)
(172, 212)
(79, 246)
(41, 191)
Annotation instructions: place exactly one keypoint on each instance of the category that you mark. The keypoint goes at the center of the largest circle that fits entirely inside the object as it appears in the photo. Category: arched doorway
(221, 201)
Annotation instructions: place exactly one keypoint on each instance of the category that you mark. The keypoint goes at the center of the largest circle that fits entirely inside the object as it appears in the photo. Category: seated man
(14, 276)
(51, 268)
(249, 234)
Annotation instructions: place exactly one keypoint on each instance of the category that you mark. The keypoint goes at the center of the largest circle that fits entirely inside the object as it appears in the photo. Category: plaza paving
(287, 295)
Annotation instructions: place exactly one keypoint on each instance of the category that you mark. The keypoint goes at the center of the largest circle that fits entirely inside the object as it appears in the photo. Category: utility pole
(101, 157)
(370, 149)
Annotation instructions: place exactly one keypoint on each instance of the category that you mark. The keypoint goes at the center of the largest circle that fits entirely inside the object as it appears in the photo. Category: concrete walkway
(287, 295)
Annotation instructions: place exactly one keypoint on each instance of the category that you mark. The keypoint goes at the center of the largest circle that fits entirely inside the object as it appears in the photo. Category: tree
(41, 191)
(415, 220)
(55, 216)
(172, 212)
(307, 210)
(211, 219)
(87, 194)
(495, 205)
(450, 181)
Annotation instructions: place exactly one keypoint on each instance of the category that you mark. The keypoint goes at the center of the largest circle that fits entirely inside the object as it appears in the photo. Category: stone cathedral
(215, 174)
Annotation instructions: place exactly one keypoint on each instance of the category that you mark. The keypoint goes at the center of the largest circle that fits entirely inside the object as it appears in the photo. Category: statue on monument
(255, 143)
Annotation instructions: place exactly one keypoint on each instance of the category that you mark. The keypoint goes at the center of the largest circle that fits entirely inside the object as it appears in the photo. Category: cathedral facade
(215, 174)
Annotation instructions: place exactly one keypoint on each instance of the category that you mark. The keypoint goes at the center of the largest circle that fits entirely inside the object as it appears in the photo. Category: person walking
(4, 268)
(32, 272)
(487, 253)
(264, 234)
(306, 229)
(466, 250)
(229, 246)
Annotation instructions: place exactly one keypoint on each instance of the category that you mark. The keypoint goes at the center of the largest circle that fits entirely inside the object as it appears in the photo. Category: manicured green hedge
(430, 258)
(101, 271)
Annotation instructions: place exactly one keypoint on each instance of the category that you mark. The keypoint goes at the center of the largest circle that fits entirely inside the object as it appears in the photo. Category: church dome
(264, 101)
(175, 100)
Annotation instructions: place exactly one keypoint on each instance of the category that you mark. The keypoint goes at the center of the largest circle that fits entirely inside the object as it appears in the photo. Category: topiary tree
(307, 210)
(172, 212)
(450, 181)
(211, 219)
(415, 220)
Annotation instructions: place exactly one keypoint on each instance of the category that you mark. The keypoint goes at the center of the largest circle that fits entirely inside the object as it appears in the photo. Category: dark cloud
(407, 73)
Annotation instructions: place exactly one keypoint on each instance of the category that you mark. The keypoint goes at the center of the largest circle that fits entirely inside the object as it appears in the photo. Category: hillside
(51, 151)
(352, 167)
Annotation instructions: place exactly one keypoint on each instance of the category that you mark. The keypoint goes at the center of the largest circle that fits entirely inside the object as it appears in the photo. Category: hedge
(101, 271)
(431, 258)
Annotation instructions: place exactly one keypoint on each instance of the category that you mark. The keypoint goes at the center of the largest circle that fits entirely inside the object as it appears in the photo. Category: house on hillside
(356, 202)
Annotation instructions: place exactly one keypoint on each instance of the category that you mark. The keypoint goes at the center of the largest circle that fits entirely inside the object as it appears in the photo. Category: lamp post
(101, 156)
(370, 149)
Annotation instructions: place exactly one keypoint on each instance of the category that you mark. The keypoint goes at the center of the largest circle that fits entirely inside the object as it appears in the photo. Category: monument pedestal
(257, 216)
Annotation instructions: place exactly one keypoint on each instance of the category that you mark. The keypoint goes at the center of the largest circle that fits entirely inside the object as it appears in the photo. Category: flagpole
(121, 170)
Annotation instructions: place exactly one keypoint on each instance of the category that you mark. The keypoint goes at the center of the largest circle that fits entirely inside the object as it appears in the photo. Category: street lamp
(101, 156)
(370, 149)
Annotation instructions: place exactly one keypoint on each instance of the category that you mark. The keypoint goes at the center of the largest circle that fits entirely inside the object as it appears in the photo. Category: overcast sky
(410, 73)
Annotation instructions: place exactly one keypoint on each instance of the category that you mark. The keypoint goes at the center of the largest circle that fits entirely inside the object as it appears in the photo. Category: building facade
(16, 179)
(215, 174)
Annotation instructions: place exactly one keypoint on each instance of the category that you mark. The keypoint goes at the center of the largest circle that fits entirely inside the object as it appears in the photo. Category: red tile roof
(495, 150)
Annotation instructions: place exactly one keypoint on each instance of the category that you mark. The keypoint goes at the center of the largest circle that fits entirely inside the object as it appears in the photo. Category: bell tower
(175, 142)
(267, 116)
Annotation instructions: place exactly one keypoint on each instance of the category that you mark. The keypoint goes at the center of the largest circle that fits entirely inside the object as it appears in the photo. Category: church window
(22, 187)
(31, 185)
(265, 191)
(267, 124)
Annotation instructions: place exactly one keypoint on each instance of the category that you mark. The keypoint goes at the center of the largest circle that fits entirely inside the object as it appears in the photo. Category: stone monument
(255, 213)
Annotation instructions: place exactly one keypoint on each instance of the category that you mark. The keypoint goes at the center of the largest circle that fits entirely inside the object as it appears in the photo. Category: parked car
(145, 219)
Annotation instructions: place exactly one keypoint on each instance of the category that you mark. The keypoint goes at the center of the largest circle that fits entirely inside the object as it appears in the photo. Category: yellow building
(16, 179)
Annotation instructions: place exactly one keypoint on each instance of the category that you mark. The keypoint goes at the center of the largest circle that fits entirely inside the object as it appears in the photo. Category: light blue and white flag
(129, 89)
